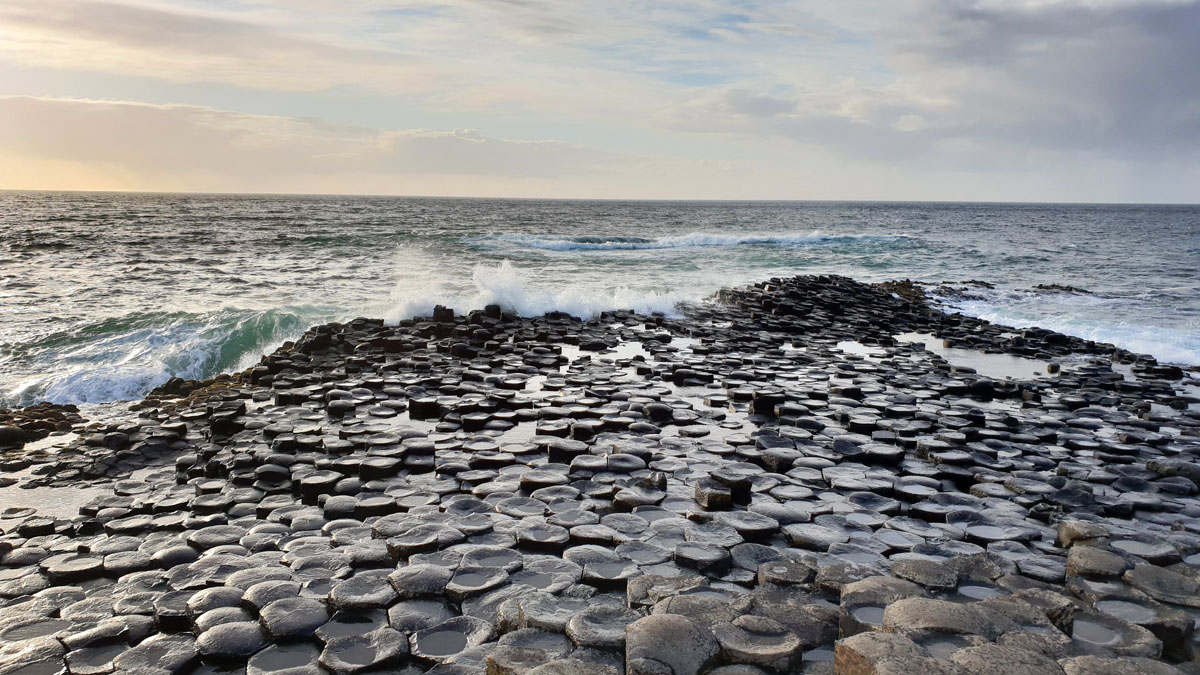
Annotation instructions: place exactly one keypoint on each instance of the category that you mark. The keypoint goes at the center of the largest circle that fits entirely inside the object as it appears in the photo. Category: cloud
(193, 46)
(673, 95)
(180, 147)
(1112, 77)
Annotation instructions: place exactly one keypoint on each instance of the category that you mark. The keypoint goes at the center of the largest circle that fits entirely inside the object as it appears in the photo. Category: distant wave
(122, 358)
(690, 240)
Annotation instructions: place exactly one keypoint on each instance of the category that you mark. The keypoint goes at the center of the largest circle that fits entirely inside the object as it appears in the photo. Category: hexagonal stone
(1164, 585)
(172, 653)
(411, 616)
(236, 641)
(449, 638)
(67, 567)
(420, 581)
(213, 598)
(601, 626)
(991, 658)
(669, 640)
(295, 659)
(369, 589)
(293, 618)
(759, 641)
(1102, 665)
(380, 648)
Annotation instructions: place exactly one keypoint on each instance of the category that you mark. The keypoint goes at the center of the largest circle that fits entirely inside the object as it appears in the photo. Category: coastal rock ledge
(783, 481)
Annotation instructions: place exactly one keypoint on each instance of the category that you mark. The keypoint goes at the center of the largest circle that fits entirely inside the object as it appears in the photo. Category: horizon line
(588, 199)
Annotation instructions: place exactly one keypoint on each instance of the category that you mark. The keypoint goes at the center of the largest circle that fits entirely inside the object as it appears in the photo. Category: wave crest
(516, 292)
(690, 240)
(122, 358)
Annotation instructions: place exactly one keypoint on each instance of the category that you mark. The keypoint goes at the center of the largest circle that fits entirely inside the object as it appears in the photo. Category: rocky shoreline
(784, 481)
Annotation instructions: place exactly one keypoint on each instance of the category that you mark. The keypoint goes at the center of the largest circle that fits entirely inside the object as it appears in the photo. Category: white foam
(693, 239)
(515, 290)
(123, 359)
(1089, 317)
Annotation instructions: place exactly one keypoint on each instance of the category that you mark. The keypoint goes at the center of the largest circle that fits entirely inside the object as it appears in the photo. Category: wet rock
(602, 626)
(420, 581)
(759, 641)
(410, 616)
(380, 648)
(995, 658)
(293, 618)
(236, 641)
(297, 659)
(875, 652)
(671, 641)
(444, 641)
(1095, 561)
(1100, 665)
(365, 590)
(1164, 585)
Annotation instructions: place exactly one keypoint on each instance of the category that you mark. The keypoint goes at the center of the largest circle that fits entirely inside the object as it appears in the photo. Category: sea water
(106, 295)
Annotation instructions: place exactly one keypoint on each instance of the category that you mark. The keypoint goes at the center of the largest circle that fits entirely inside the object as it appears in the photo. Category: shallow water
(998, 366)
(103, 296)
(51, 502)
(1094, 633)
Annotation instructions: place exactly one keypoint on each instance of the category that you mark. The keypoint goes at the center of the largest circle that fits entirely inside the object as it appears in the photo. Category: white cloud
(976, 88)
(153, 147)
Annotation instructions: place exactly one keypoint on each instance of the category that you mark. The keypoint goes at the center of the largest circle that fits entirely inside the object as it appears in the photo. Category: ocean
(105, 295)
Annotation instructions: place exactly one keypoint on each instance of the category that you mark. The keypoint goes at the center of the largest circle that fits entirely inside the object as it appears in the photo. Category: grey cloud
(1114, 78)
(985, 84)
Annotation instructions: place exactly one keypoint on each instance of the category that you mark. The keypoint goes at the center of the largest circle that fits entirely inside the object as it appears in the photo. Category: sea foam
(515, 291)
(123, 358)
(690, 240)
(1091, 317)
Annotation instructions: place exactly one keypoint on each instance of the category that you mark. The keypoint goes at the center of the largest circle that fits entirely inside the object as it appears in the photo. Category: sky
(973, 100)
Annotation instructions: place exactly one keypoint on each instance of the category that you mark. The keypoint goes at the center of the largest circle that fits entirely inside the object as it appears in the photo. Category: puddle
(859, 349)
(357, 654)
(442, 643)
(1127, 611)
(979, 592)
(998, 366)
(870, 615)
(51, 502)
(1094, 633)
(942, 647)
(818, 655)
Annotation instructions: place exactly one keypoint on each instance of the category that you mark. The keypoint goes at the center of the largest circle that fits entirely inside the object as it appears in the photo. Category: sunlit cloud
(981, 88)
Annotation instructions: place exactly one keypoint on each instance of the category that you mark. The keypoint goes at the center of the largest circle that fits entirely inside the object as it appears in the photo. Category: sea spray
(690, 240)
(1097, 317)
(515, 290)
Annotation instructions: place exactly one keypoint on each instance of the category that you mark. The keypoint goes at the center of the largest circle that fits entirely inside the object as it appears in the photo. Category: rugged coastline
(783, 481)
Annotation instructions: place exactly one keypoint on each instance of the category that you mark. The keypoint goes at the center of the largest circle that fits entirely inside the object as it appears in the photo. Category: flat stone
(601, 626)
(442, 642)
(379, 648)
(410, 616)
(1102, 665)
(671, 640)
(759, 641)
(420, 581)
(231, 641)
(1164, 585)
(368, 589)
(293, 618)
(294, 659)
(987, 659)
